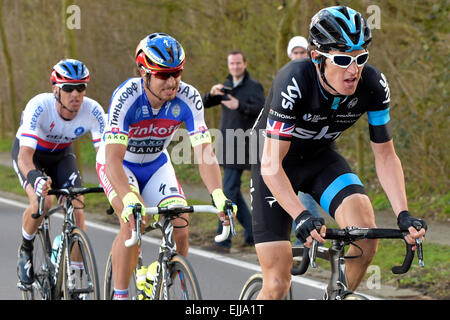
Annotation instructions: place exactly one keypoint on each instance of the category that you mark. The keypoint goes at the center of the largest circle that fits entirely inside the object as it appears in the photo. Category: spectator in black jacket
(242, 99)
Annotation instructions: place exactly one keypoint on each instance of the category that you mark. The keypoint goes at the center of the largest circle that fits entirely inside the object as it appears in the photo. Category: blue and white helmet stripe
(72, 69)
(351, 23)
(157, 48)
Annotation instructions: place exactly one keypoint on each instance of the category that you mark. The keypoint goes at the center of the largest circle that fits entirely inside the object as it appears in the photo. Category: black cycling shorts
(61, 166)
(327, 178)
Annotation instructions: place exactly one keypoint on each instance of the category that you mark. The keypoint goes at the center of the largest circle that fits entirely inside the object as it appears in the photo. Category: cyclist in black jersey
(311, 102)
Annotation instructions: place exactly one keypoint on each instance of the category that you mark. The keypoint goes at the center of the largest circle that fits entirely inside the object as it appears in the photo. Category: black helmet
(339, 28)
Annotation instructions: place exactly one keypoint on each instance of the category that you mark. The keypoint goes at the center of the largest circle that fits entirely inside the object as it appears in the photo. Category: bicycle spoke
(41, 288)
(182, 284)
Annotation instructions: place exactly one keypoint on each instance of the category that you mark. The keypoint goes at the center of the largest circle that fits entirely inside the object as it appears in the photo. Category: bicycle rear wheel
(253, 286)
(41, 289)
(182, 284)
(108, 288)
(80, 281)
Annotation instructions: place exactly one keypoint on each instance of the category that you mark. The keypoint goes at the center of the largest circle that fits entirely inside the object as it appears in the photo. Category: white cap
(296, 41)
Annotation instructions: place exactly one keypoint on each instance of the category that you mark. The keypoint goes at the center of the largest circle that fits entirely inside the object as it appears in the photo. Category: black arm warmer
(33, 175)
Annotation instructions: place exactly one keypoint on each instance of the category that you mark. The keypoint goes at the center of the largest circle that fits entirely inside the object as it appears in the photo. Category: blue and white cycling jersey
(43, 129)
(131, 121)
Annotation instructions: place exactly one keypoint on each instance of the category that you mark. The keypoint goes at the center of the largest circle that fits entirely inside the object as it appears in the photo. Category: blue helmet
(69, 71)
(160, 52)
(339, 28)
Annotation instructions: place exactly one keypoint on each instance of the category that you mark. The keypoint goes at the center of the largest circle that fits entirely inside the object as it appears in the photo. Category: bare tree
(290, 9)
(9, 71)
(71, 52)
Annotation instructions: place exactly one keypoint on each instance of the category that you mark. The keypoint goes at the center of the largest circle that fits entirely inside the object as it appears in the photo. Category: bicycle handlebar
(71, 192)
(173, 210)
(351, 234)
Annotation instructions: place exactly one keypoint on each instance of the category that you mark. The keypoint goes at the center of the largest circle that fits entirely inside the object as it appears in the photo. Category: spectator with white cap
(297, 48)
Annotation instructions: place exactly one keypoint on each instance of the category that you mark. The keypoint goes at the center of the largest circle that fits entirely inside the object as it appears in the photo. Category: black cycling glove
(306, 223)
(406, 220)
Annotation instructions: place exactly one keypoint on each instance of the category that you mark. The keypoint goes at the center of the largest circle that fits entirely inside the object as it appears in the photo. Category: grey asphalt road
(220, 277)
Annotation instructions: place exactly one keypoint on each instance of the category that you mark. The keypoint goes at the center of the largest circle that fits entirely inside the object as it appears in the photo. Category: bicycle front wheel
(108, 288)
(253, 286)
(182, 284)
(80, 274)
(41, 289)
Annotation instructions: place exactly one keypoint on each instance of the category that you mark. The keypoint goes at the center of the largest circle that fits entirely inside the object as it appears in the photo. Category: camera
(226, 90)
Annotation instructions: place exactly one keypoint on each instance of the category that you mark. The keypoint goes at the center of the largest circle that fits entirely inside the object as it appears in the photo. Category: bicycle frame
(162, 279)
(166, 252)
(68, 226)
(338, 282)
(55, 276)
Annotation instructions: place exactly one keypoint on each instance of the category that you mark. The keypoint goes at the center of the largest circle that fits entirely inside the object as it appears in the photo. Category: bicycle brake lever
(40, 209)
(135, 234)
(313, 253)
(229, 212)
(417, 225)
(313, 250)
(420, 252)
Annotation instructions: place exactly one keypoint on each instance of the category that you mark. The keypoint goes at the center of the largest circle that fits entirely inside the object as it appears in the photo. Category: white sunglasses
(344, 60)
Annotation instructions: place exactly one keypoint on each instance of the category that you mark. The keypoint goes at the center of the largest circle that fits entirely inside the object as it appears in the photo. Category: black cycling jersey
(300, 110)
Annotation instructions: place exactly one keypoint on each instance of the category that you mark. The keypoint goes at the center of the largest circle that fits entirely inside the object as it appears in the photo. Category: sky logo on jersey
(293, 92)
(158, 128)
(279, 128)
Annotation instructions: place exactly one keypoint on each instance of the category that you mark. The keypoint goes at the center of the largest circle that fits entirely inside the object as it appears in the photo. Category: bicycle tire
(41, 289)
(85, 286)
(254, 285)
(354, 296)
(182, 283)
(108, 288)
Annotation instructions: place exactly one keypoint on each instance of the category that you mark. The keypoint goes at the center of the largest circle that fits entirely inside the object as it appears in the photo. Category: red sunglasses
(164, 75)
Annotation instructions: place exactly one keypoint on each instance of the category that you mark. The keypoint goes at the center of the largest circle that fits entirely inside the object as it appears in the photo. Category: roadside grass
(6, 144)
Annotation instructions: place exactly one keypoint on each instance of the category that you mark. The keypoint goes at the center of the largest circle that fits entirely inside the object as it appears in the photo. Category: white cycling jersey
(42, 128)
(131, 121)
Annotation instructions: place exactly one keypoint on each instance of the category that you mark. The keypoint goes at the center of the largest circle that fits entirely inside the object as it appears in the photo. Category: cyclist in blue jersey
(311, 102)
(133, 163)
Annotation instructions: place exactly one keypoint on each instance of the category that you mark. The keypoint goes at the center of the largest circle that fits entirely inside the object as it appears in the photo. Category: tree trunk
(9, 72)
(284, 30)
(71, 52)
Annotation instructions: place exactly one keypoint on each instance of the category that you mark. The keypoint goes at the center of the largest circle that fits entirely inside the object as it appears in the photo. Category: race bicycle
(60, 279)
(175, 278)
(337, 285)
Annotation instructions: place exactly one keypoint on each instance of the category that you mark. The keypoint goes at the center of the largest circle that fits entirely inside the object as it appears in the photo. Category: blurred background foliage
(410, 48)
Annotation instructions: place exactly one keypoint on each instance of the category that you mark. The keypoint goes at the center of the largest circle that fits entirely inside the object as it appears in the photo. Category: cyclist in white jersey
(49, 125)
(133, 163)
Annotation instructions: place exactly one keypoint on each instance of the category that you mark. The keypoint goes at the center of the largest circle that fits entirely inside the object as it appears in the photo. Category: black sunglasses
(70, 87)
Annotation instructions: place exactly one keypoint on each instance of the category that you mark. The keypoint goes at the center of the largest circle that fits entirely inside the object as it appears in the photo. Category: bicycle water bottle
(150, 278)
(141, 275)
(55, 247)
